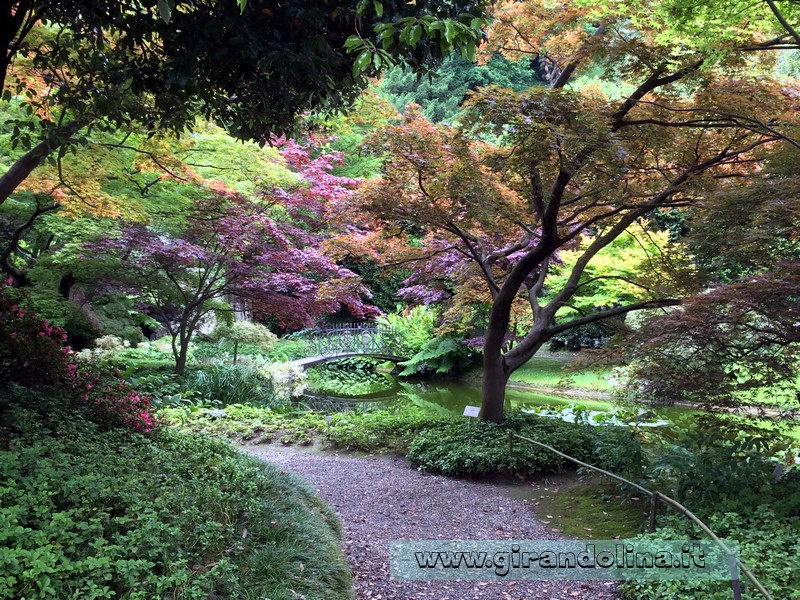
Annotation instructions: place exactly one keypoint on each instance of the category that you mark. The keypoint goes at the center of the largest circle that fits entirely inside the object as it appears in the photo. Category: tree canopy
(574, 169)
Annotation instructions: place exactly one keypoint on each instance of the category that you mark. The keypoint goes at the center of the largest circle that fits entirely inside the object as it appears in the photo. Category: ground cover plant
(99, 500)
(746, 488)
(93, 513)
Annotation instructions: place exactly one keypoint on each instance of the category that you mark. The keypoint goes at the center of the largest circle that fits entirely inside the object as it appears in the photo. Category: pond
(332, 388)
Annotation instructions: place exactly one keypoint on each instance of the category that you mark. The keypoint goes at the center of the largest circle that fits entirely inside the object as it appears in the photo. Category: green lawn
(549, 372)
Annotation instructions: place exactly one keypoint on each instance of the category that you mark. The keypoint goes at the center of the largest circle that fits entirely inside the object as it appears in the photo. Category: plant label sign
(471, 411)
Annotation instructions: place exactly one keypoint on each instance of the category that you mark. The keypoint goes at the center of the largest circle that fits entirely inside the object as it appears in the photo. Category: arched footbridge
(349, 340)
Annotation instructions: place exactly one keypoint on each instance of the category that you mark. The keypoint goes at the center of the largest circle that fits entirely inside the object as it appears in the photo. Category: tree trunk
(235, 348)
(494, 387)
(180, 359)
(495, 369)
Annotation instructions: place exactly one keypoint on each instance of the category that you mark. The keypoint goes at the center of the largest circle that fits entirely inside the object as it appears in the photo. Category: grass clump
(93, 513)
(453, 449)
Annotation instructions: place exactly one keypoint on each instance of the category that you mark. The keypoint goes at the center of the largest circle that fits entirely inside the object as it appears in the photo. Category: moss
(589, 509)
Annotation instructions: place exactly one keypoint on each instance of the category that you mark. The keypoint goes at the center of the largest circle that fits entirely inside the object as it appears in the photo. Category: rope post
(736, 584)
(651, 527)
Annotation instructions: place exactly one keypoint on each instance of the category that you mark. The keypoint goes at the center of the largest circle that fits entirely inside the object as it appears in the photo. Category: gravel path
(383, 498)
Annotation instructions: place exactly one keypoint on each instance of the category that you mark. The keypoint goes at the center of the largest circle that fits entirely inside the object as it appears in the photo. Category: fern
(439, 355)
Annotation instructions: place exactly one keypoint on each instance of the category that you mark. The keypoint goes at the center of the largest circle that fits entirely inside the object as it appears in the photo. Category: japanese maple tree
(573, 165)
(261, 250)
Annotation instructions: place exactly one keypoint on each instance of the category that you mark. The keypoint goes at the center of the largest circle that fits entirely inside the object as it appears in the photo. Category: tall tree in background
(577, 165)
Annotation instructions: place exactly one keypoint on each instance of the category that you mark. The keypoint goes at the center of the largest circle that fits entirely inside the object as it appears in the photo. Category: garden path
(383, 498)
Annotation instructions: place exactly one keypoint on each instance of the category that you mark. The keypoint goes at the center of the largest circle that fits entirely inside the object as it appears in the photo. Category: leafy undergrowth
(386, 430)
(770, 547)
(434, 443)
(452, 448)
(92, 513)
(245, 423)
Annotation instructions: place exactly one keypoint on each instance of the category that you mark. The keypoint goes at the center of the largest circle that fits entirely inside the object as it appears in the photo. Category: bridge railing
(351, 338)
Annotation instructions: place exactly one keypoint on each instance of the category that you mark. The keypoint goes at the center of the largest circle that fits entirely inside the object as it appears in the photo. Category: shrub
(769, 547)
(105, 347)
(620, 450)
(385, 429)
(32, 350)
(32, 355)
(452, 448)
(440, 355)
(86, 513)
(413, 328)
(286, 382)
(245, 332)
(230, 384)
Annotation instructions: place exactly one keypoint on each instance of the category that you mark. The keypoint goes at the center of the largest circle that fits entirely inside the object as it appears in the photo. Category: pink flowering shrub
(33, 354)
(32, 350)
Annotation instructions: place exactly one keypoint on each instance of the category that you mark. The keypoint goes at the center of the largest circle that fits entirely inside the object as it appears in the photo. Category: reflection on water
(447, 397)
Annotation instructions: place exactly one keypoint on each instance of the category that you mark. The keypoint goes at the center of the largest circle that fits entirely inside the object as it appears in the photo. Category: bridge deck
(310, 361)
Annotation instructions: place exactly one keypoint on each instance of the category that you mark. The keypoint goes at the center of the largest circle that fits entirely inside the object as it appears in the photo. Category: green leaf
(449, 31)
(353, 42)
(378, 7)
(362, 62)
(387, 37)
(165, 8)
(415, 35)
(242, 5)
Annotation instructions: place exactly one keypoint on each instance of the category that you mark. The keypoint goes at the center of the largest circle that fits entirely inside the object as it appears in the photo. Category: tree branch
(612, 312)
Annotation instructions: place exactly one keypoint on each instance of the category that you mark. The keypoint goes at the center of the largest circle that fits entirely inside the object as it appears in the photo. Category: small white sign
(471, 411)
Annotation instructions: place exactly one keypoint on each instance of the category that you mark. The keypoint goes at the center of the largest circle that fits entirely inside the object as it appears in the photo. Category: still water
(335, 391)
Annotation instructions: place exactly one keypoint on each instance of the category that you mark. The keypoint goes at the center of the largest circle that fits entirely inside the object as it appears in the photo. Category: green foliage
(145, 357)
(246, 423)
(168, 389)
(348, 378)
(413, 328)
(441, 94)
(725, 464)
(87, 513)
(119, 317)
(287, 349)
(384, 284)
(737, 482)
(628, 269)
(593, 335)
(439, 355)
(245, 332)
(769, 547)
(482, 449)
(620, 450)
(230, 384)
(392, 428)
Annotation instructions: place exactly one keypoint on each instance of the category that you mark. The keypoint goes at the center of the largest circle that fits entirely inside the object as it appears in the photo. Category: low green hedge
(87, 513)
(482, 449)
